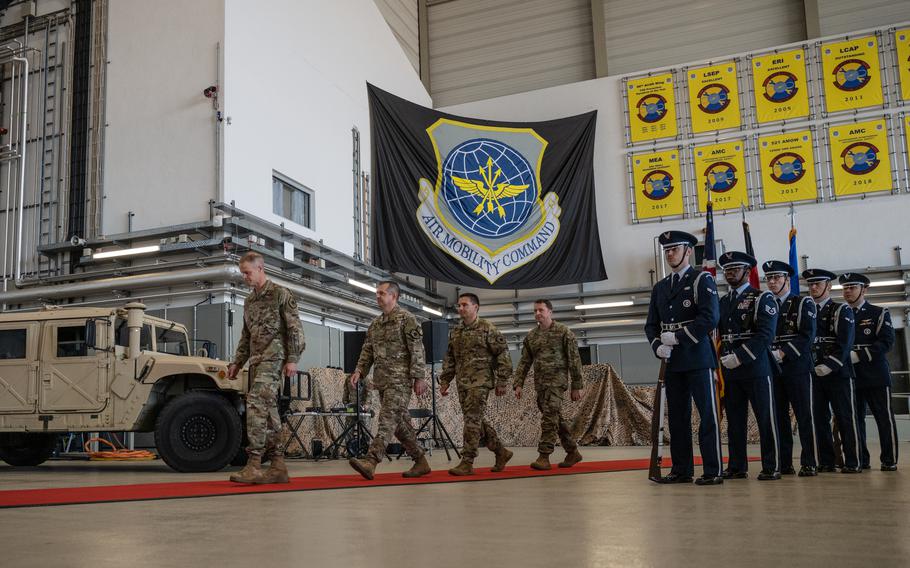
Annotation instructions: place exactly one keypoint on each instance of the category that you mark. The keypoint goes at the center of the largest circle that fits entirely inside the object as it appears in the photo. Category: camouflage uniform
(477, 354)
(272, 336)
(555, 356)
(394, 349)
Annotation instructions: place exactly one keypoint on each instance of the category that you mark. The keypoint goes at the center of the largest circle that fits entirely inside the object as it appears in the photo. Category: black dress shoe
(674, 478)
(767, 475)
(727, 474)
(889, 467)
(787, 470)
(807, 471)
(709, 480)
(826, 469)
(867, 466)
(851, 470)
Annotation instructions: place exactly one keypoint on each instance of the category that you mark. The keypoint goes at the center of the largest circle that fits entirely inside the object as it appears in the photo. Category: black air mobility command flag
(483, 203)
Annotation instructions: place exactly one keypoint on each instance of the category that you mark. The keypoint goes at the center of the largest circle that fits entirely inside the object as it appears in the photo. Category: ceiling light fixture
(622, 304)
(125, 252)
(361, 285)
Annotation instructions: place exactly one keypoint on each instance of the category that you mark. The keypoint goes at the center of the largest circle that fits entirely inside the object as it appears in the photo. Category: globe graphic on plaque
(490, 188)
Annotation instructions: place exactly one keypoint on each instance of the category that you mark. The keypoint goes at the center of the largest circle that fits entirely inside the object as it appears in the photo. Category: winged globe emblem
(488, 190)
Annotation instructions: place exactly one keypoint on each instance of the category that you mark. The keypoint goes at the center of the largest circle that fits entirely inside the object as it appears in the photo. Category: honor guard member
(552, 349)
(832, 379)
(792, 349)
(748, 321)
(478, 358)
(271, 341)
(874, 337)
(682, 312)
(393, 348)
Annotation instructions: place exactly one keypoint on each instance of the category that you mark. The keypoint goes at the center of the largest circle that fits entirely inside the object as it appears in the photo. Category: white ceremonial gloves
(854, 357)
(822, 370)
(730, 361)
(669, 338)
(664, 351)
(778, 355)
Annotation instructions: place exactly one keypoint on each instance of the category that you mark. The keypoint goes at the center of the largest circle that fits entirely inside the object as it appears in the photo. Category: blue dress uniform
(686, 306)
(874, 337)
(748, 321)
(833, 380)
(793, 377)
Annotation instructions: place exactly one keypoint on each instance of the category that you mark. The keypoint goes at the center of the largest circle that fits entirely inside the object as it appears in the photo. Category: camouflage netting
(610, 413)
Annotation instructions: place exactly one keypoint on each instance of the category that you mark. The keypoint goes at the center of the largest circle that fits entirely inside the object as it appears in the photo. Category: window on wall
(292, 200)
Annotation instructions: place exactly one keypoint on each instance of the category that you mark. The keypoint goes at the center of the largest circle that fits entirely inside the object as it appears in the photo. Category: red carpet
(188, 489)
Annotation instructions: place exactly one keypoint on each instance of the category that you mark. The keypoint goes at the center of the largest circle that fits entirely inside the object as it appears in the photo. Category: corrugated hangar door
(843, 16)
(658, 33)
(481, 49)
(401, 15)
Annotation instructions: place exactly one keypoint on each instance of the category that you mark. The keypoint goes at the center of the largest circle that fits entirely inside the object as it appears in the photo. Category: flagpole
(711, 267)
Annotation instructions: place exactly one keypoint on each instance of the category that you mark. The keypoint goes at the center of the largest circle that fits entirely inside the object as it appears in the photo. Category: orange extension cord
(116, 454)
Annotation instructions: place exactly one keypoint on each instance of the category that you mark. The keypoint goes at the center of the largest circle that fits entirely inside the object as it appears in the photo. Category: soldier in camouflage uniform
(552, 349)
(394, 349)
(272, 341)
(477, 353)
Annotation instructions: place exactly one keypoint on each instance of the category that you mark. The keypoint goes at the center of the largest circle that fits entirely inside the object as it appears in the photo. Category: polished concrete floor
(609, 519)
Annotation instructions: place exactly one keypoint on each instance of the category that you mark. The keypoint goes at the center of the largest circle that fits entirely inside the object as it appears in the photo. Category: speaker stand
(438, 433)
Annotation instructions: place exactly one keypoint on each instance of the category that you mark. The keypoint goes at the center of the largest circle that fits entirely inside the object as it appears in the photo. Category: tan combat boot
(364, 467)
(502, 458)
(420, 467)
(464, 468)
(277, 471)
(251, 472)
(572, 458)
(542, 463)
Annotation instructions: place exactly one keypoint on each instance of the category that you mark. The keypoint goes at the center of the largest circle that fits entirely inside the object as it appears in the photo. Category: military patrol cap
(774, 267)
(671, 239)
(818, 275)
(734, 258)
(853, 279)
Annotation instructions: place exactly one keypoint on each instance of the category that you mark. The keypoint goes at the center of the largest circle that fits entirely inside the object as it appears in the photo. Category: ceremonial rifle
(657, 425)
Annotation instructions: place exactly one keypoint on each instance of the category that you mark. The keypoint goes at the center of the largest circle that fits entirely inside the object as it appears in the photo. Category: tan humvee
(114, 369)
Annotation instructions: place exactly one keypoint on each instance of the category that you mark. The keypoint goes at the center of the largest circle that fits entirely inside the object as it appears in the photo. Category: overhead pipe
(160, 279)
(24, 144)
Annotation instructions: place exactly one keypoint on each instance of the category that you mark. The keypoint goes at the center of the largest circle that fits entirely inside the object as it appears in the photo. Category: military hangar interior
(516, 150)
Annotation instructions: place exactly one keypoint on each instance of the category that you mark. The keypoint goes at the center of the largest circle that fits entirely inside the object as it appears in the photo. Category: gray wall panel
(639, 365)
(668, 32)
(401, 15)
(481, 49)
(843, 16)
(612, 355)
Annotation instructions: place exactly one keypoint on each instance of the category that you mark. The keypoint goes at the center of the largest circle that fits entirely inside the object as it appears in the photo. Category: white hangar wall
(295, 86)
(838, 235)
(159, 160)
(292, 86)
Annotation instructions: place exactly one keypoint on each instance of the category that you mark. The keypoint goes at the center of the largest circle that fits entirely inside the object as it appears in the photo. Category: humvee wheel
(26, 448)
(198, 431)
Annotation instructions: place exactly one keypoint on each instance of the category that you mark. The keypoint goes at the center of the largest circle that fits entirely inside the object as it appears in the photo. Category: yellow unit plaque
(658, 184)
(652, 108)
(714, 97)
(860, 162)
(781, 90)
(722, 168)
(851, 74)
(787, 167)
